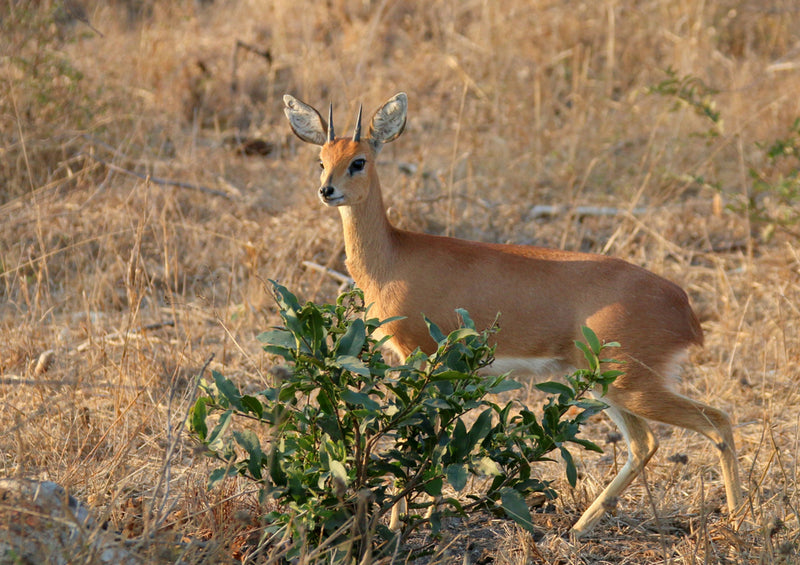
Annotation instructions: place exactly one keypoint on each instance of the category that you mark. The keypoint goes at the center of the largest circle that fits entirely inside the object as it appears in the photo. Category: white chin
(338, 201)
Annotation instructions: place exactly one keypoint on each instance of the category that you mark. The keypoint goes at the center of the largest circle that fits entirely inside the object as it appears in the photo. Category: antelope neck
(368, 238)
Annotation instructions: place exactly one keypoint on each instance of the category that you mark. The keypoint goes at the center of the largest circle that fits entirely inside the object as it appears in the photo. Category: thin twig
(161, 181)
(173, 439)
(433, 199)
(265, 53)
(654, 507)
(77, 11)
(542, 210)
(126, 333)
(341, 277)
(18, 380)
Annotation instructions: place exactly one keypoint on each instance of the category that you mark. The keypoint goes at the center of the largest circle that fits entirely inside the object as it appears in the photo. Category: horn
(331, 135)
(357, 132)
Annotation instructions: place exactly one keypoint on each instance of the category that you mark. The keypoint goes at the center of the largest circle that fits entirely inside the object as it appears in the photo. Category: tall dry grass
(135, 282)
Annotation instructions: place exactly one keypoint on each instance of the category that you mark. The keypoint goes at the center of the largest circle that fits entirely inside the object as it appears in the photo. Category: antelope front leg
(642, 445)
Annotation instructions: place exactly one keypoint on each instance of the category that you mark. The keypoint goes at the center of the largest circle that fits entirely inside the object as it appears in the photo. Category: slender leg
(642, 445)
(672, 408)
(399, 509)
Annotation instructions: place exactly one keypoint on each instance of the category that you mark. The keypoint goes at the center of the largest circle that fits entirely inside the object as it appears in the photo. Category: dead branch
(162, 181)
(546, 210)
(265, 53)
(127, 333)
(341, 277)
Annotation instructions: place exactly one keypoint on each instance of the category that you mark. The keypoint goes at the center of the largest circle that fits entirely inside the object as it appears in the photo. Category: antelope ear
(306, 122)
(389, 121)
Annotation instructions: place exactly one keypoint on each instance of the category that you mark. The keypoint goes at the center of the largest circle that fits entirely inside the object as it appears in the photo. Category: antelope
(543, 296)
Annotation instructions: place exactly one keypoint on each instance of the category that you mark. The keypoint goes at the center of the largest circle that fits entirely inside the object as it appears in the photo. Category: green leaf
(434, 330)
(338, 471)
(588, 354)
(449, 376)
(591, 404)
(287, 354)
(552, 387)
(352, 342)
(488, 466)
(591, 339)
(215, 440)
(505, 385)
(276, 472)
(352, 364)
(286, 300)
(330, 425)
(587, 445)
(315, 327)
(466, 320)
(434, 486)
(438, 403)
(456, 504)
(325, 403)
(198, 421)
(459, 443)
(287, 392)
(379, 323)
(612, 374)
(253, 405)
(359, 398)
(572, 471)
(480, 429)
(218, 475)
(514, 505)
(249, 441)
(457, 476)
(227, 389)
(278, 337)
(461, 334)
(289, 306)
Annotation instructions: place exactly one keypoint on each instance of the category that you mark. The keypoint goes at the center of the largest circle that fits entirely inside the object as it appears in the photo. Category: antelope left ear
(389, 121)
(306, 122)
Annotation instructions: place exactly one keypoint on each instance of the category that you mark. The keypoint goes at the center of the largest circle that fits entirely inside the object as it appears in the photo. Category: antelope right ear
(389, 121)
(306, 122)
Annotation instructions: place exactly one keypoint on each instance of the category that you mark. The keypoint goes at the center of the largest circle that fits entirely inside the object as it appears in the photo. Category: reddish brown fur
(543, 296)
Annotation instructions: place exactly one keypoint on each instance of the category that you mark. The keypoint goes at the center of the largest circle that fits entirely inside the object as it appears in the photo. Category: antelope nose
(326, 191)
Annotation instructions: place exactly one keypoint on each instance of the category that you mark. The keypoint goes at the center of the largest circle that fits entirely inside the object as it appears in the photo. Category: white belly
(528, 366)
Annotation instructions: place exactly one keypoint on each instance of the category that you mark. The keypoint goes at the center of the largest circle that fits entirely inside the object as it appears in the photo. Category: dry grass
(513, 104)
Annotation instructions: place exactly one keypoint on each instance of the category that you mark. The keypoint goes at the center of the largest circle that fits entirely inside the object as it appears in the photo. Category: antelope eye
(357, 165)
(322, 165)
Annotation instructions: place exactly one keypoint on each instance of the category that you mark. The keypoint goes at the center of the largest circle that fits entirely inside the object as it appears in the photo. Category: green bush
(774, 199)
(343, 436)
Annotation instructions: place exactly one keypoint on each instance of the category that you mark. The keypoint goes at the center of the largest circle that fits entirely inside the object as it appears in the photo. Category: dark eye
(322, 165)
(357, 165)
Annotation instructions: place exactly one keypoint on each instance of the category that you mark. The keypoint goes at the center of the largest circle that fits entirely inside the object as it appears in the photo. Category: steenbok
(543, 297)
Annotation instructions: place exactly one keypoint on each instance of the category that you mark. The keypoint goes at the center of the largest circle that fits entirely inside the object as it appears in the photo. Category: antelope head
(348, 163)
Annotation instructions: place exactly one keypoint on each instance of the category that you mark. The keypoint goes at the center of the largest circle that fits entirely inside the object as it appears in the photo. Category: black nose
(326, 191)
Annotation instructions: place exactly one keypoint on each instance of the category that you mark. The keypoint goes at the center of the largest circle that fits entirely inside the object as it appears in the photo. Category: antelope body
(543, 297)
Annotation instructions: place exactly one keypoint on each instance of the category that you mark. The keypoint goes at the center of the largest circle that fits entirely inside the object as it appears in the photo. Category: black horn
(357, 132)
(331, 135)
